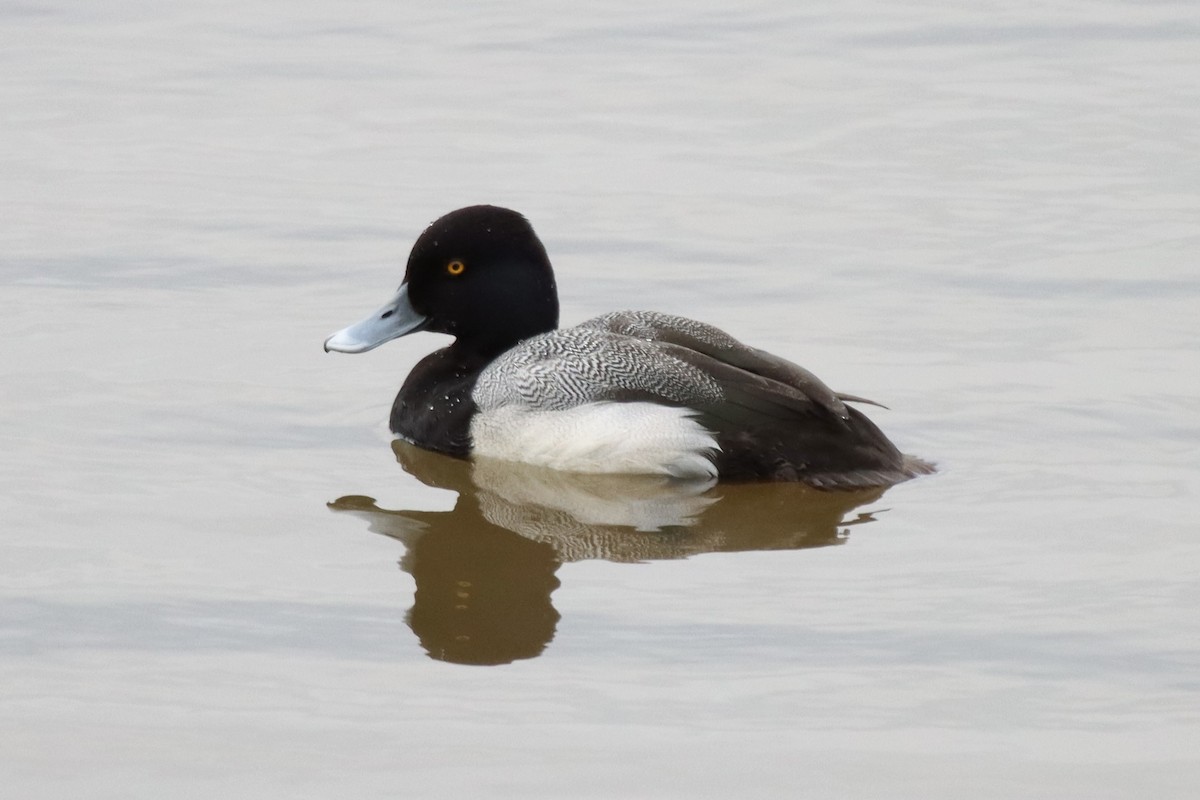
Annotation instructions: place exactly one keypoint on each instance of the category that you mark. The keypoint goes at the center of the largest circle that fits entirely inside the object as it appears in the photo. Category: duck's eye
(456, 267)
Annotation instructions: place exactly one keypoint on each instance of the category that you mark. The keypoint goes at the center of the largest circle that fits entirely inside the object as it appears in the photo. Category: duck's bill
(395, 319)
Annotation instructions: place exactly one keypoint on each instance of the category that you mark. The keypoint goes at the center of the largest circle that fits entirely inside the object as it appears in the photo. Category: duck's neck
(485, 344)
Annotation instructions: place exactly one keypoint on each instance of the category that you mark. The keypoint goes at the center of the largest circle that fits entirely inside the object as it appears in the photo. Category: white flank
(633, 438)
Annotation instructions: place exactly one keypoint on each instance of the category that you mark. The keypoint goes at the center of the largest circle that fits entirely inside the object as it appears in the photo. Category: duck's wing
(570, 367)
(658, 358)
(722, 348)
(773, 419)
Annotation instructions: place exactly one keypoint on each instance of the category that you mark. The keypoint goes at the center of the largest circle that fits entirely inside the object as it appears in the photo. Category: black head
(481, 274)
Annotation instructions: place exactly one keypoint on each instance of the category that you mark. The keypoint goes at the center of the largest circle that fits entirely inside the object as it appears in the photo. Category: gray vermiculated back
(573, 366)
(719, 345)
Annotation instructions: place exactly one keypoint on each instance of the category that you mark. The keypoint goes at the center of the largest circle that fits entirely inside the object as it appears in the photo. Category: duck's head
(479, 274)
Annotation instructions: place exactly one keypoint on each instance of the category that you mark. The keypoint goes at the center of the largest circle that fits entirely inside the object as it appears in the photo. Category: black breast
(434, 407)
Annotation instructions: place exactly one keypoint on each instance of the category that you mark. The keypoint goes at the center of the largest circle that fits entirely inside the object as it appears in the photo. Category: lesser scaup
(626, 392)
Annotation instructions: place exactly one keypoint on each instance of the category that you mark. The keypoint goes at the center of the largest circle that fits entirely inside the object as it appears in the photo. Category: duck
(632, 392)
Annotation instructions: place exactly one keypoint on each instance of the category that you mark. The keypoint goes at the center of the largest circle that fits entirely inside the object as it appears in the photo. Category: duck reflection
(485, 570)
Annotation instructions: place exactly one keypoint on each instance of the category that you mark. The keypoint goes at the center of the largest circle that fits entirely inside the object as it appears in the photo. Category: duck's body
(633, 392)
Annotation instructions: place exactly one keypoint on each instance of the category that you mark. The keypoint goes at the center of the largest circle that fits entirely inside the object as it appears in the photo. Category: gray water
(987, 218)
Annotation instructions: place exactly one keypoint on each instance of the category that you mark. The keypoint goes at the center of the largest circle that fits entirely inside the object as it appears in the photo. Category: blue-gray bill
(393, 320)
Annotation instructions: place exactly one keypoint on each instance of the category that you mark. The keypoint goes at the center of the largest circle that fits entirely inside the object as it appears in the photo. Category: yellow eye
(456, 267)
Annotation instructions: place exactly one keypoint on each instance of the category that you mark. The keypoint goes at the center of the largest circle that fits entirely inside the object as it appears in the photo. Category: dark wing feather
(772, 430)
(707, 340)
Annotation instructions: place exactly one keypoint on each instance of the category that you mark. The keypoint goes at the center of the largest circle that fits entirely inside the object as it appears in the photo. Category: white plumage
(654, 439)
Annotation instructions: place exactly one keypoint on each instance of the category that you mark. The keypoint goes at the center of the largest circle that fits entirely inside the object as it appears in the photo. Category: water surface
(986, 218)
